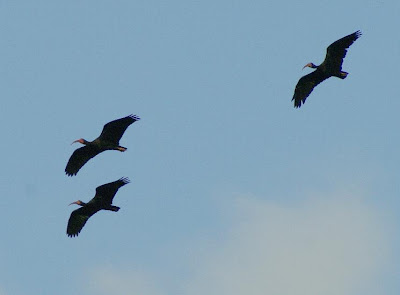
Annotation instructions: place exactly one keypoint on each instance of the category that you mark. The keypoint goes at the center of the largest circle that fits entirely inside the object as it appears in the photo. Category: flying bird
(332, 66)
(108, 140)
(101, 201)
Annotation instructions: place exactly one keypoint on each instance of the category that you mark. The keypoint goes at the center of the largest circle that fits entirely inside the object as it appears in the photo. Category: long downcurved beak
(75, 141)
(76, 202)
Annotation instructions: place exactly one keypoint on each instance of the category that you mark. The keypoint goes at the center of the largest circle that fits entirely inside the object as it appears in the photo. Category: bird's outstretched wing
(305, 86)
(78, 219)
(79, 158)
(336, 52)
(113, 131)
(106, 192)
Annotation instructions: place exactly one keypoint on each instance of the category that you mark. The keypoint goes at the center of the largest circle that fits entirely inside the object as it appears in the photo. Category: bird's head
(79, 202)
(80, 140)
(310, 65)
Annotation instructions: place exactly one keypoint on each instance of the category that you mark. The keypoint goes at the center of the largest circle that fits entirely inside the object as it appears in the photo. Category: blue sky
(233, 191)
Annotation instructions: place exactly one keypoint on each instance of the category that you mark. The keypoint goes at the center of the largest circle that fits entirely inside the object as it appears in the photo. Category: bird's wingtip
(134, 117)
(69, 173)
(297, 104)
(125, 180)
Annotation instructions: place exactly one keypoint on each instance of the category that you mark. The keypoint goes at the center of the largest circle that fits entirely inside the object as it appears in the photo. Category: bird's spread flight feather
(113, 131)
(79, 158)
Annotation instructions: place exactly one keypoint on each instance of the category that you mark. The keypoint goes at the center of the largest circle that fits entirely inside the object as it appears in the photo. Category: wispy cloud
(336, 245)
(323, 246)
(113, 281)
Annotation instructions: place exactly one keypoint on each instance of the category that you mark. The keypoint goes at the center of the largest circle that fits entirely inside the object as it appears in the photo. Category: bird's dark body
(331, 67)
(101, 201)
(108, 140)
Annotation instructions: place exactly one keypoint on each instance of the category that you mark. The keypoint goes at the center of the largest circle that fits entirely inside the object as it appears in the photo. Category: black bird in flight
(332, 66)
(108, 140)
(101, 201)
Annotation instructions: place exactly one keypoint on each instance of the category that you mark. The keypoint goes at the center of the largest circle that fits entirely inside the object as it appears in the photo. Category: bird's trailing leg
(343, 75)
(121, 148)
(113, 208)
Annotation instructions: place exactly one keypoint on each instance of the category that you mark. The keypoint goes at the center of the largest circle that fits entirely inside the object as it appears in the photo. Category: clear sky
(233, 191)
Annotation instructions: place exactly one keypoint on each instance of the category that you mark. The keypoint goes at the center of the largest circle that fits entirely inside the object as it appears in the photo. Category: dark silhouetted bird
(332, 66)
(108, 140)
(101, 201)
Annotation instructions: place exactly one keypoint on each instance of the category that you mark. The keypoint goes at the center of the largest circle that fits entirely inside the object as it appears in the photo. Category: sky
(233, 190)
